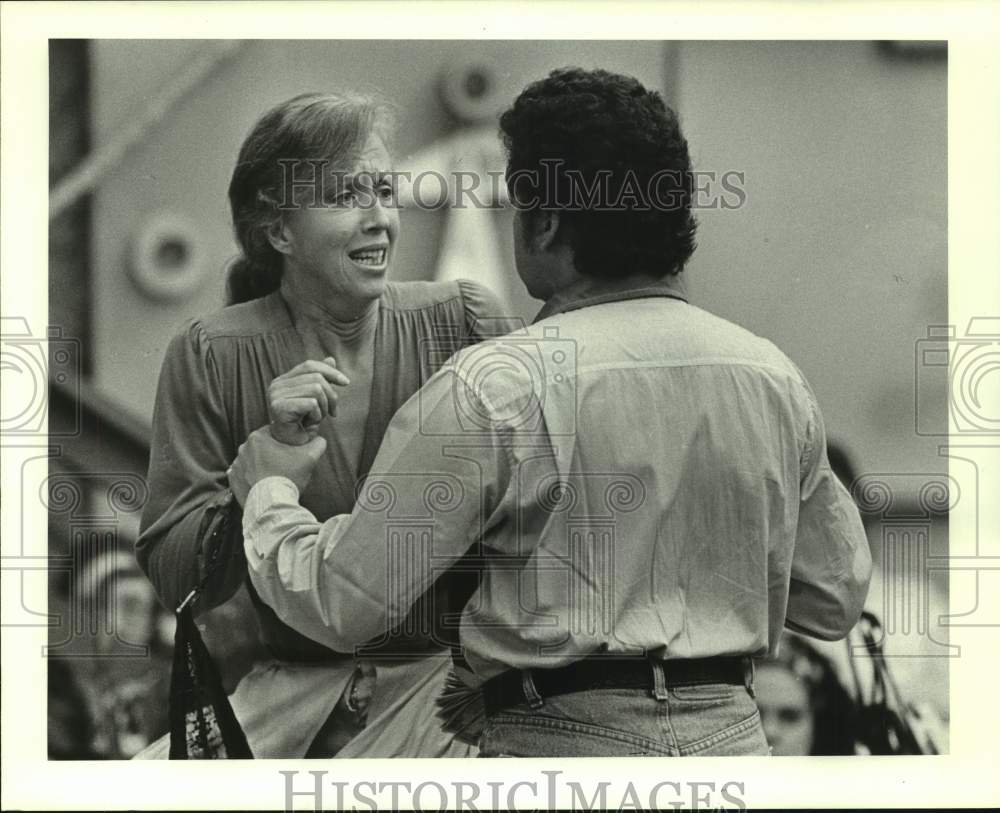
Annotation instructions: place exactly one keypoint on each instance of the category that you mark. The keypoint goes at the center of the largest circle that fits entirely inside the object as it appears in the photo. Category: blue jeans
(715, 719)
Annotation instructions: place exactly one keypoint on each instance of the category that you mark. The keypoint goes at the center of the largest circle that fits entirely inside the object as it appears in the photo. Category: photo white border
(968, 776)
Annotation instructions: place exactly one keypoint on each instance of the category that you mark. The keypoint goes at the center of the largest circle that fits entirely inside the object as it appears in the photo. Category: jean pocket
(539, 735)
(745, 738)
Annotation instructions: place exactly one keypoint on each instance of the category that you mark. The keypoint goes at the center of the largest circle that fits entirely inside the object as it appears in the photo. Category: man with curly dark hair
(608, 156)
(645, 484)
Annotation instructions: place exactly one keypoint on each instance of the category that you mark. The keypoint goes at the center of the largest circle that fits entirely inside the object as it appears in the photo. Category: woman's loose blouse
(212, 394)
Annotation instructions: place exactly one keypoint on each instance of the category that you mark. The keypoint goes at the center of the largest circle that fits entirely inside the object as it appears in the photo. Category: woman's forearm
(204, 548)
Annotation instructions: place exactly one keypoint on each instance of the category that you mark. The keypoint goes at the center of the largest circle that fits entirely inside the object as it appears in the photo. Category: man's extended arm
(354, 576)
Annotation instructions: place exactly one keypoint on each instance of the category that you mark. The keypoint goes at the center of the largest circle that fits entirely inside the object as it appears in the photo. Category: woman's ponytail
(247, 280)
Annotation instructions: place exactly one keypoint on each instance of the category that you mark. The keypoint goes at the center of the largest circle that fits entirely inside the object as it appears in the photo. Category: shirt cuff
(264, 494)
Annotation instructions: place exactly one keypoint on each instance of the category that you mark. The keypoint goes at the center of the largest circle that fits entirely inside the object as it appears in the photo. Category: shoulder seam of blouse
(426, 306)
(240, 332)
(262, 331)
(211, 337)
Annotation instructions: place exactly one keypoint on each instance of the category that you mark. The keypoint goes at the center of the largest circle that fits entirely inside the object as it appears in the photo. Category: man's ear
(279, 236)
(544, 229)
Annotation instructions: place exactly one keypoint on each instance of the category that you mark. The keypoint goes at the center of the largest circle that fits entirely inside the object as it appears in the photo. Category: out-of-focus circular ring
(470, 91)
(167, 258)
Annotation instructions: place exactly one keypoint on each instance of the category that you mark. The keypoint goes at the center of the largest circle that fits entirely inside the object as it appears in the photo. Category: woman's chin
(377, 284)
(369, 289)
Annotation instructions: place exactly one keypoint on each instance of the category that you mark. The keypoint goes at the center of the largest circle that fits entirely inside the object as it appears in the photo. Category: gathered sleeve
(191, 519)
(485, 315)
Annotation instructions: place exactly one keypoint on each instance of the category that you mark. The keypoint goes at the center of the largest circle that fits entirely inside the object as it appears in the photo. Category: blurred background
(838, 254)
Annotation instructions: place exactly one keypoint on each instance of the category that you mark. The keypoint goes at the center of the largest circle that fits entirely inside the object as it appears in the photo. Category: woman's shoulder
(257, 317)
(463, 302)
(221, 333)
(420, 294)
(473, 297)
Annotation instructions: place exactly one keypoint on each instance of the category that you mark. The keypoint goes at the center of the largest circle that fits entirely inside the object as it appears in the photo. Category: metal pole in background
(86, 176)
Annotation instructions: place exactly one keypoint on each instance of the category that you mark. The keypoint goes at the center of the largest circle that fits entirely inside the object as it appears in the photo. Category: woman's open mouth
(370, 257)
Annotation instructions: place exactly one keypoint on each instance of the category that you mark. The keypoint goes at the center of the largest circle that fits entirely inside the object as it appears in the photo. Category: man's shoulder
(660, 331)
(736, 339)
(654, 333)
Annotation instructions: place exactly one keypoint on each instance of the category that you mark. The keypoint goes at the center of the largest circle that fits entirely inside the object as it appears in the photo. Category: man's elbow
(343, 634)
(839, 624)
(340, 625)
(832, 626)
(856, 589)
(830, 615)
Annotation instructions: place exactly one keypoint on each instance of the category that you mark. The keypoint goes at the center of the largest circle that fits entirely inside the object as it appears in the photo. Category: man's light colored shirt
(643, 475)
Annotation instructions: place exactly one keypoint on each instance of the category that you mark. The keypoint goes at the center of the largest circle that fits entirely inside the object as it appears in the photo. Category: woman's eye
(345, 198)
(362, 197)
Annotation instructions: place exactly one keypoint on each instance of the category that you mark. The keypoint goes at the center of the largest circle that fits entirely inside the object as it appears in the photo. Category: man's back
(686, 457)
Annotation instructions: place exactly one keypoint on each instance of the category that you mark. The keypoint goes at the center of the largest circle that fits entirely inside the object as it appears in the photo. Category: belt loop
(749, 673)
(659, 680)
(530, 692)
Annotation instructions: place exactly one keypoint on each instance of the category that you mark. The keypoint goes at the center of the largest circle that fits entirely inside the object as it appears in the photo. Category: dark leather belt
(517, 686)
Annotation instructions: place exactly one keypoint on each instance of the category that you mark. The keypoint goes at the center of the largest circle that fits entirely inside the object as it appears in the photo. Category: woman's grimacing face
(785, 711)
(341, 250)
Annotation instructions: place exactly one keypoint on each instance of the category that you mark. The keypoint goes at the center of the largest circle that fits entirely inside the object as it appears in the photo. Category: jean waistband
(609, 672)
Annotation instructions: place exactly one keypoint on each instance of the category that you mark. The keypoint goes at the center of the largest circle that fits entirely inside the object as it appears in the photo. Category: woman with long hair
(313, 317)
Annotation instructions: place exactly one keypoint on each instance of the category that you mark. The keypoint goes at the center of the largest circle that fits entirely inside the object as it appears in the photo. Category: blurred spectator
(70, 720)
(803, 706)
(109, 688)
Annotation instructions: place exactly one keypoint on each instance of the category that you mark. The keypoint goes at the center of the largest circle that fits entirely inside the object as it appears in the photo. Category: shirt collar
(590, 291)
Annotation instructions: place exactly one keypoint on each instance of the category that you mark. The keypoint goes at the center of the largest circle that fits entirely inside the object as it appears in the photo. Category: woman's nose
(376, 215)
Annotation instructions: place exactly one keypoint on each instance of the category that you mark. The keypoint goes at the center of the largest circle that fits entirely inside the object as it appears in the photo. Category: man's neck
(585, 291)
